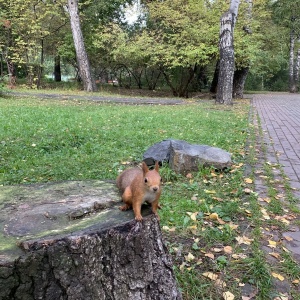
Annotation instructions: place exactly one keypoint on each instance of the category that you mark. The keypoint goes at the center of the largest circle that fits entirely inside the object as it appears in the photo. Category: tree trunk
(152, 75)
(227, 63)
(81, 55)
(297, 70)
(180, 89)
(225, 80)
(57, 69)
(239, 80)
(40, 67)
(89, 250)
(292, 83)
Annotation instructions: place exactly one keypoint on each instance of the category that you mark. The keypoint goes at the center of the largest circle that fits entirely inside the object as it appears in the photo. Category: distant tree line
(173, 44)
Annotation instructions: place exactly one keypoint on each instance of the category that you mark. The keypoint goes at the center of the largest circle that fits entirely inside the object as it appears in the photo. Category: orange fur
(138, 186)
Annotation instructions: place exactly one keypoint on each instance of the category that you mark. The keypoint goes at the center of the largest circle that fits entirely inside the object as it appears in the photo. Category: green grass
(44, 140)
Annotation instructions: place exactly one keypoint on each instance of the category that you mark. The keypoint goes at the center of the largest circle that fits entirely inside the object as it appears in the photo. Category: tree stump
(69, 241)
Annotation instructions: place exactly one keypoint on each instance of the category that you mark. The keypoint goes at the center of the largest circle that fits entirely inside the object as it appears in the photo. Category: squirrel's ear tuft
(145, 168)
(156, 166)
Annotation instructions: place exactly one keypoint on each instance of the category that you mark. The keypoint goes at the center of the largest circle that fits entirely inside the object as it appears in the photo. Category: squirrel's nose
(155, 189)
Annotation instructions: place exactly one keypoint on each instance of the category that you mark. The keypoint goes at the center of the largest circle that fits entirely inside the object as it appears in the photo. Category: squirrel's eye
(160, 179)
(146, 180)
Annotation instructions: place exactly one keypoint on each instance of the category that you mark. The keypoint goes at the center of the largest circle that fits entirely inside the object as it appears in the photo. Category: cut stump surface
(69, 240)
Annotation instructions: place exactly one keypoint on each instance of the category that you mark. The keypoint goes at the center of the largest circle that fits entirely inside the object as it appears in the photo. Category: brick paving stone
(279, 115)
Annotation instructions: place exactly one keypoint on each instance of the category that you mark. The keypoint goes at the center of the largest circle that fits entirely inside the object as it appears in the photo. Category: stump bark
(103, 254)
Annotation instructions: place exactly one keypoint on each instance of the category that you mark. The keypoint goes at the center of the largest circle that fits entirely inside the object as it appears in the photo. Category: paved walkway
(280, 120)
(279, 116)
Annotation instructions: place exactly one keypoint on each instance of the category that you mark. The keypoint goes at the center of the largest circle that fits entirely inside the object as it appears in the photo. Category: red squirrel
(140, 185)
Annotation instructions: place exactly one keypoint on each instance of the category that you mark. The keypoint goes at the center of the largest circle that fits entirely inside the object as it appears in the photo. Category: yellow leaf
(209, 192)
(296, 281)
(272, 244)
(194, 216)
(213, 216)
(220, 283)
(278, 276)
(275, 254)
(228, 296)
(233, 226)
(243, 240)
(189, 257)
(182, 266)
(265, 214)
(248, 180)
(210, 275)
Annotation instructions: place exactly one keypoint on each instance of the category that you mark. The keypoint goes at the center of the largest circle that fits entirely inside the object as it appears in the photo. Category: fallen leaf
(220, 283)
(210, 255)
(228, 296)
(278, 276)
(247, 191)
(243, 240)
(248, 180)
(275, 254)
(189, 257)
(210, 275)
(221, 221)
(266, 216)
(296, 281)
(213, 216)
(272, 244)
(189, 175)
(194, 216)
(166, 228)
(248, 212)
(282, 297)
(209, 192)
(228, 249)
(288, 238)
(239, 256)
(182, 266)
(233, 226)
(217, 250)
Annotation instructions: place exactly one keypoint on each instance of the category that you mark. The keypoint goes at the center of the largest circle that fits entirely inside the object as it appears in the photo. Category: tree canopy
(172, 43)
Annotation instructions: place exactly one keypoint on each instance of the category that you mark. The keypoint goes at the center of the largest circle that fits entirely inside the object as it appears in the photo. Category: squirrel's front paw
(139, 218)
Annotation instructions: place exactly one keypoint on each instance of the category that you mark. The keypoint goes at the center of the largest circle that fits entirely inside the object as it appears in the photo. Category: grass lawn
(212, 232)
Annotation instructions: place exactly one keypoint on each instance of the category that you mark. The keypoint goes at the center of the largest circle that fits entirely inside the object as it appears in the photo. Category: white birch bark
(297, 70)
(226, 73)
(81, 55)
(292, 85)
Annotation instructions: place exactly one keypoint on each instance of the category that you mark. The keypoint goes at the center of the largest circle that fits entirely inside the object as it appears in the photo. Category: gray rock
(184, 157)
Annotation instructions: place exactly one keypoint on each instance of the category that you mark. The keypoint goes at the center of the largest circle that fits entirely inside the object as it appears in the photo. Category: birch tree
(81, 54)
(226, 47)
(287, 14)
